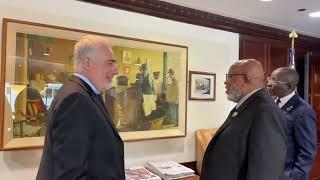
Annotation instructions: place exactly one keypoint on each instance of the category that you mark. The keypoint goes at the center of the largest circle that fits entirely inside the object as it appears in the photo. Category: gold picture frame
(147, 100)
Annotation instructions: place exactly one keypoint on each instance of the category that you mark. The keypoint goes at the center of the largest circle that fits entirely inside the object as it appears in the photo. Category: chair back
(203, 137)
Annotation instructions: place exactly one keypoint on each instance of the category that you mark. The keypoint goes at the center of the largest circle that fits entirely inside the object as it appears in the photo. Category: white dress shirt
(285, 99)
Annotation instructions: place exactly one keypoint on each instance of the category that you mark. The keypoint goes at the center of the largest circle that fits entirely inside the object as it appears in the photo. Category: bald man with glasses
(251, 143)
(301, 123)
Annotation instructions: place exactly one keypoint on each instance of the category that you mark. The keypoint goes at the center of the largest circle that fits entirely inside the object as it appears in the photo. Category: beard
(107, 86)
(235, 94)
(270, 91)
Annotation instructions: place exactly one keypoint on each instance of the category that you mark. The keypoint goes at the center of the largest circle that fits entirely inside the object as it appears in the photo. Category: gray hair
(87, 47)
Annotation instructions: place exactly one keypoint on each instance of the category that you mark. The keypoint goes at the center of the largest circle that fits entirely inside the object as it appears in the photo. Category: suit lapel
(229, 119)
(97, 99)
(291, 104)
(232, 115)
(236, 112)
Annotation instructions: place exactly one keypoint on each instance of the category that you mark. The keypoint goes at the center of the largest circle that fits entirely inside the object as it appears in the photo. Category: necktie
(278, 102)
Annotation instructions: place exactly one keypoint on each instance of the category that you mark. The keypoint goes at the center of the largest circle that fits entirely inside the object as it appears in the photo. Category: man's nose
(116, 70)
(269, 84)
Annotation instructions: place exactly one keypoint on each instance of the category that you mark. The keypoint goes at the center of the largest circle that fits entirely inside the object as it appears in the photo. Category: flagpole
(292, 64)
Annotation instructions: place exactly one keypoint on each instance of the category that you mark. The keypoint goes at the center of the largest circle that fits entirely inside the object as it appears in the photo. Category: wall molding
(197, 17)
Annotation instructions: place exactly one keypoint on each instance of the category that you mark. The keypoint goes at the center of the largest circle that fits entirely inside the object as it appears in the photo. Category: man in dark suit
(81, 141)
(251, 143)
(301, 123)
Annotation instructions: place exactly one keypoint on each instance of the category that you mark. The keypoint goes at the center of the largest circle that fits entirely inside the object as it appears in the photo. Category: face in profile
(234, 93)
(233, 83)
(103, 68)
(275, 86)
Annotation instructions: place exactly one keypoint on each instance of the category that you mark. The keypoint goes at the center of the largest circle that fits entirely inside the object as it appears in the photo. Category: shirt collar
(244, 98)
(85, 79)
(286, 98)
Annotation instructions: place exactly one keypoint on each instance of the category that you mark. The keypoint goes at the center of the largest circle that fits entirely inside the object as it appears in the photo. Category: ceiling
(281, 14)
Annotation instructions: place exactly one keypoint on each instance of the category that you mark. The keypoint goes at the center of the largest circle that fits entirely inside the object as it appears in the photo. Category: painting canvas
(126, 57)
(201, 85)
(147, 99)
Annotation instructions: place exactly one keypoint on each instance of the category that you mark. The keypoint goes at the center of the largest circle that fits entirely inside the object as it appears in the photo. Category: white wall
(209, 50)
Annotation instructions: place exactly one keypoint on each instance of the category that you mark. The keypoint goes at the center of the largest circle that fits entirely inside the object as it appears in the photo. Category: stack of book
(169, 170)
(140, 173)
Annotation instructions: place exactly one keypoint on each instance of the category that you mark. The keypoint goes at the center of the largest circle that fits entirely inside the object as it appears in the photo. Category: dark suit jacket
(81, 141)
(302, 139)
(250, 145)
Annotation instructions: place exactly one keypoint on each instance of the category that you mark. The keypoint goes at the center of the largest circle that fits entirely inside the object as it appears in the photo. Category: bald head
(253, 70)
(244, 76)
(287, 74)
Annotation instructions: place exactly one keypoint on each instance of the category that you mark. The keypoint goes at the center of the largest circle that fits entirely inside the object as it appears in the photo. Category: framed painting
(126, 57)
(202, 86)
(147, 99)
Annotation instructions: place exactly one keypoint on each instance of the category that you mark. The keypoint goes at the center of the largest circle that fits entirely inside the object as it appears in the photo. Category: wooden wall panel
(256, 50)
(279, 56)
(271, 53)
(315, 173)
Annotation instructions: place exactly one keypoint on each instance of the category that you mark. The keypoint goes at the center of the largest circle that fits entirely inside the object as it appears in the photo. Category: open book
(140, 173)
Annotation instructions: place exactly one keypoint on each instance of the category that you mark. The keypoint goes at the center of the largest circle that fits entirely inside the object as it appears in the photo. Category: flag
(292, 64)
(291, 58)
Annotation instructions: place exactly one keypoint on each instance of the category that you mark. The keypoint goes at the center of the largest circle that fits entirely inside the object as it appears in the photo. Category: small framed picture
(126, 57)
(202, 86)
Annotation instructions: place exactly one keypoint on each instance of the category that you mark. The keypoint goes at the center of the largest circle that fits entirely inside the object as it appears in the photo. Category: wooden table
(196, 177)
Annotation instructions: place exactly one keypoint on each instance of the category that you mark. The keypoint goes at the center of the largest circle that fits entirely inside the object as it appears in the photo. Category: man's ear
(289, 85)
(86, 64)
(248, 79)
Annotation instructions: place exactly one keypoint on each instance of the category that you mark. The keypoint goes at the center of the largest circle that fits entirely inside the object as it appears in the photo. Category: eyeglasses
(229, 76)
(272, 81)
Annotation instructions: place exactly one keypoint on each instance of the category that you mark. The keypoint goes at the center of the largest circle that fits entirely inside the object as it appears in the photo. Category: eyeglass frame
(228, 76)
(269, 79)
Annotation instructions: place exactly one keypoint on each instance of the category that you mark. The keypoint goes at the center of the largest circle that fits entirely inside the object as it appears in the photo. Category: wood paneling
(271, 53)
(315, 87)
(314, 98)
(279, 56)
(315, 90)
(254, 49)
(315, 173)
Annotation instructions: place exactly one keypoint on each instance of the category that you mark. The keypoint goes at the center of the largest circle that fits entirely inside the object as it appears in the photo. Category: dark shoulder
(70, 92)
(265, 103)
(303, 106)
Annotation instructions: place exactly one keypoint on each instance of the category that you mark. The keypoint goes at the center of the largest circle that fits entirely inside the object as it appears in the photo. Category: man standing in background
(301, 123)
